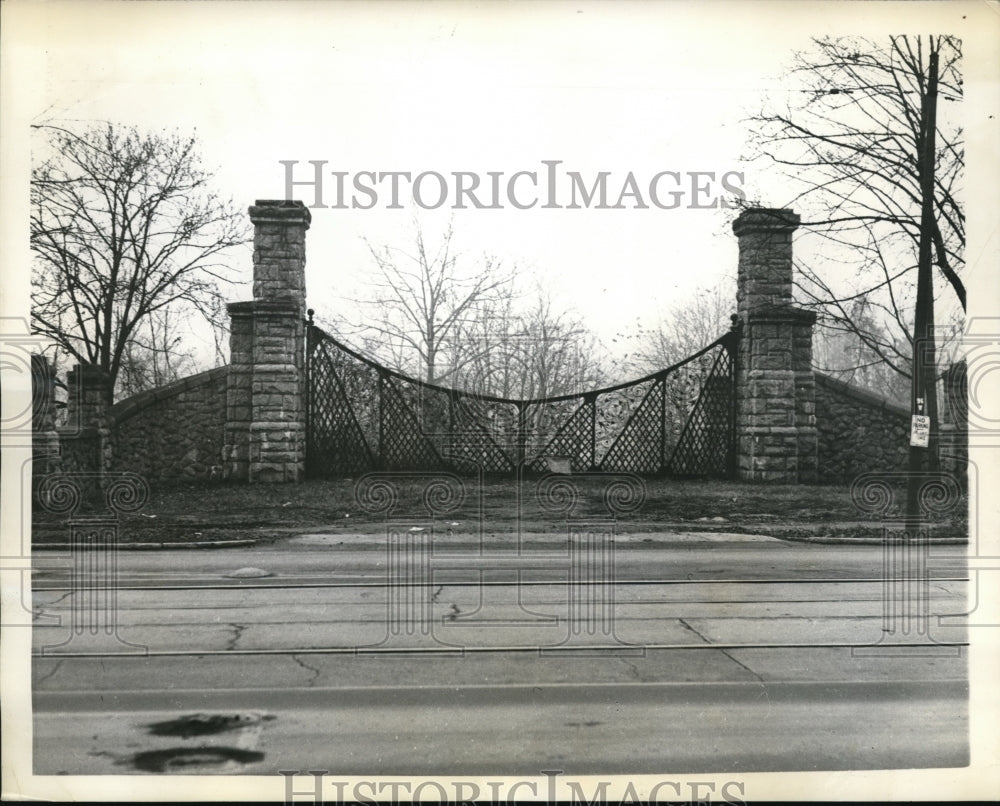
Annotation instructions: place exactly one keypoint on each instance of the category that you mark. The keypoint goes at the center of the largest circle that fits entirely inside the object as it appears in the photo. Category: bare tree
(124, 228)
(156, 355)
(423, 300)
(684, 329)
(838, 352)
(563, 355)
(850, 138)
(534, 353)
(463, 324)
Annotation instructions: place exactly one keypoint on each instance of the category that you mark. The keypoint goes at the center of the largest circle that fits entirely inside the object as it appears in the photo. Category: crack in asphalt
(633, 669)
(687, 626)
(304, 665)
(54, 670)
(42, 611)
(743, 665)
(434, 596)
(238, 632)
(57, 601)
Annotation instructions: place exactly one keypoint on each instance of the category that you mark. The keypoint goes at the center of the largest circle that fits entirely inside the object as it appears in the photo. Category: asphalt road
(677, 653)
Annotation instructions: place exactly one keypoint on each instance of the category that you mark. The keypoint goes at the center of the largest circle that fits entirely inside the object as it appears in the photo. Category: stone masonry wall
(173, 433)
(858, 431)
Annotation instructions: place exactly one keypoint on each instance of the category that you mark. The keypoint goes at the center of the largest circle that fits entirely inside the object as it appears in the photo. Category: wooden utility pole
(923, 365)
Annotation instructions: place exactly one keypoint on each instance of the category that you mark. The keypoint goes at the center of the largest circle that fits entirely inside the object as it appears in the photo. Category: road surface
(684, 653)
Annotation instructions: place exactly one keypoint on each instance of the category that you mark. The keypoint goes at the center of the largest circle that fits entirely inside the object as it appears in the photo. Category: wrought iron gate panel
(616, 409)
(363, 416)
(407, 433)
(472, 444)
(573, 439)
(639, 446)
(706, 443)
(336, 442)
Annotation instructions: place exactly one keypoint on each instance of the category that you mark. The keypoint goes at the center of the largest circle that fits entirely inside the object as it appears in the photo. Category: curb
(245, 543)
(868, 541)
(201, 544)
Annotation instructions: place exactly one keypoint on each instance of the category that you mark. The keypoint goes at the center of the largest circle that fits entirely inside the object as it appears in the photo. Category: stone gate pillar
(953, 440)
(44, 439)
(265, 399)
(776, 393)
(84, 439)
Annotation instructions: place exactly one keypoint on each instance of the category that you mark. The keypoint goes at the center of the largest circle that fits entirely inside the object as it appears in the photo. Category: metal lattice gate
(362, 416)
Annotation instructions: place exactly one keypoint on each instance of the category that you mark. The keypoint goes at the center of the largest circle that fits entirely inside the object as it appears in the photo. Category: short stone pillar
(239, 400)
(44, 438)
(85, 439)
(953, 439)
(776, 393)
(265, 400)
(89, 395)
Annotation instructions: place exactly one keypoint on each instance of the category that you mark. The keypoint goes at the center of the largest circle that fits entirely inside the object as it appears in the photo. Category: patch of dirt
(221, 511)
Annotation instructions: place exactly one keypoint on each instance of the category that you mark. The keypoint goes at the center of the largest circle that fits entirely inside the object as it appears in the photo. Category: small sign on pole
(920, 430)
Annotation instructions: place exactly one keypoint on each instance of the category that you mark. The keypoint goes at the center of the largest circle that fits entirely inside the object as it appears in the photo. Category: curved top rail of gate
(364, 416)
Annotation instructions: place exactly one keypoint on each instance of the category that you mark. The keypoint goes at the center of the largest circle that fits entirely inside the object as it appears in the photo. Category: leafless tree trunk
(849, 134)
(124, 228)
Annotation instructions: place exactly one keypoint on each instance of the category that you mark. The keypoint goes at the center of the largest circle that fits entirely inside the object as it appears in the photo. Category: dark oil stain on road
(187, 759)
(205, 724)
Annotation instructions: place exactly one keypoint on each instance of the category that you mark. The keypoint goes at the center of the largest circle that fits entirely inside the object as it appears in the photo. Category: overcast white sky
(455, 87)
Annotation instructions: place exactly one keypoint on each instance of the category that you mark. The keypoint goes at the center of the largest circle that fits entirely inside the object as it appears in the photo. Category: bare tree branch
(850, 136)
(127, 239)
(427, 299)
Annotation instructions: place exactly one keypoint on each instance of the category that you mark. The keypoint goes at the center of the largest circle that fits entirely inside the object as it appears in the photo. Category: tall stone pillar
(265, 428)
(776, 412)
